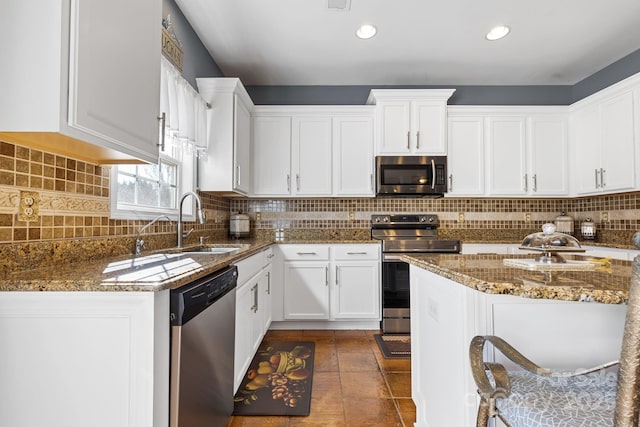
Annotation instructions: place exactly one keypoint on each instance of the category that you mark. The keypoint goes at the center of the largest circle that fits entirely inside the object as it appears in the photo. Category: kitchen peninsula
(559, 319)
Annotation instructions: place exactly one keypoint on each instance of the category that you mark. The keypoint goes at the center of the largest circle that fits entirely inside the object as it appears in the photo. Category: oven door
(395, 295)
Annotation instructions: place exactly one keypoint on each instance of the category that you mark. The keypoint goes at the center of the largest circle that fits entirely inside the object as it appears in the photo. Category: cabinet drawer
(305, 252)
(249, 267)
(356, 252)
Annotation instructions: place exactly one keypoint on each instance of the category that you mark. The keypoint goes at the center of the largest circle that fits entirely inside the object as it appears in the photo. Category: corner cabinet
(411, 121)
(603, 139)
(73, 88)
(312, 152)
(329, 285)
(226, 168)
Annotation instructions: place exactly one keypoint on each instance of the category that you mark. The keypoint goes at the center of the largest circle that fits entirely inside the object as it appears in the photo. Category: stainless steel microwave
(411, 176)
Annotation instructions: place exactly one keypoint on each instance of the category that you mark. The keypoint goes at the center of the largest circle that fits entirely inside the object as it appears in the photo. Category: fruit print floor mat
(278, 381)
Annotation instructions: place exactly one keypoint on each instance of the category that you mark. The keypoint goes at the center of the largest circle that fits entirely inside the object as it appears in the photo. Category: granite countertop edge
(89, 276)
(542, 291)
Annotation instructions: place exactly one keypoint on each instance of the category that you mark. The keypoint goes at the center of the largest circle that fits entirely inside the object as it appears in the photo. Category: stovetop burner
(414, 233)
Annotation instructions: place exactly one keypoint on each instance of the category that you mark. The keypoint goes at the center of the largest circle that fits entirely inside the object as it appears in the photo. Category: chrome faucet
(200, 217)
(139, 242)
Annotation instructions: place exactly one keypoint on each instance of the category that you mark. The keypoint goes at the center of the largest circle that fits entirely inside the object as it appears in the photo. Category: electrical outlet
(258, 216)
(527, 217)
(604, 216)
(29, 206)
(352, 215)
(460, 216)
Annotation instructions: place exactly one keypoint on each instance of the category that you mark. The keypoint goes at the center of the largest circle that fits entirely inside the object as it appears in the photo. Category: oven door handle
(391, 258)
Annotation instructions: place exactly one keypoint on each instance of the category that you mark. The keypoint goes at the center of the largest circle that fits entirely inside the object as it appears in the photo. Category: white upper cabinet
(73, 87)
(547, 155)
(508, 151)
(311, 142)
(312, 152)
(353, 156)
(271, 155)
(604, 144)
(227, 166)
(466, 156)
(506, 156)
(411, 121)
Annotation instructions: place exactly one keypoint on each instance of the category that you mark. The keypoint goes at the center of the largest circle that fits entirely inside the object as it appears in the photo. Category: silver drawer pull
(306, 253)
(356, 253)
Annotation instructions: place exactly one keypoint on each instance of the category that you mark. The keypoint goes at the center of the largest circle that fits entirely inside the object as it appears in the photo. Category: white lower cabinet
(253, 309)
(330, 282)
(84, 358)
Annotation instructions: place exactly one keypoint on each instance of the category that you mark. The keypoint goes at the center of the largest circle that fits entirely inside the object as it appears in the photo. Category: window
(145, 191)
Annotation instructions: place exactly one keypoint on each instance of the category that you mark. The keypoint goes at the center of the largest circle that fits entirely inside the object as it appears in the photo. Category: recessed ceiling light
(497, 32)
(366, 31)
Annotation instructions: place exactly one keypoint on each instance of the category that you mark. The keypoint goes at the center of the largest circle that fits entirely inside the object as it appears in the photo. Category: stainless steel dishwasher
(202, 350)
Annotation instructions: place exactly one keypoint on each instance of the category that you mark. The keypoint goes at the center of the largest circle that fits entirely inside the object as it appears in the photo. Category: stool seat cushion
(580, 401)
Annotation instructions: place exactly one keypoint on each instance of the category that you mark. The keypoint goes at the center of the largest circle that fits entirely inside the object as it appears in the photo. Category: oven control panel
(404, 219)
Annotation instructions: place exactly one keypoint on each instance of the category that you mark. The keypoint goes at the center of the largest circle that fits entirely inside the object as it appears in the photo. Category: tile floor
(353, 384)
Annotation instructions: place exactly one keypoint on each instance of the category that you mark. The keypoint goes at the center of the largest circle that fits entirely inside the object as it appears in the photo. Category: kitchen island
(561, 319)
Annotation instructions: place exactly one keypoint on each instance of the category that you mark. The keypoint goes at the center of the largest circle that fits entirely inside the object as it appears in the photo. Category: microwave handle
(433, 174)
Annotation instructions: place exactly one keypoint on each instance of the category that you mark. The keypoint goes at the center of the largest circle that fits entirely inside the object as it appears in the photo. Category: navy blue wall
(197, 60)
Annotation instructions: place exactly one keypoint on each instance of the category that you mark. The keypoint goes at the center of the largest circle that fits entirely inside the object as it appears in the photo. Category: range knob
(423, 219)
(431, 219)
(385, 219)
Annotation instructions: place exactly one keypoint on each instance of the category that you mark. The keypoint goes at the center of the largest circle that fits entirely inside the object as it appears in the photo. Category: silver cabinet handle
(535, 183)
(408, 138)
(306, 253)
(603, 182)
(371, 182)
(526, 184)
(163, 122)
(450, 182)
(237, 175)
(417, 140)
(326, 276)
(297, 182)
(269, 283)
(356, 253)
(596, 171)
(288, 183)
(433, 174)
(336, 275)
(254, 307)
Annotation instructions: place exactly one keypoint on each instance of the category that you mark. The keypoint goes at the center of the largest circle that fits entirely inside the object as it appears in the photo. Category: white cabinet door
(114, 87)
(604, 143)
(429, 127)
(506, 151)
(243, 327)
(394, 124)
(466, 156)
(72, 80)
(241, 147)
(271, 155)
(306, 290)
(586, 147)
(353, 156)
(617, 143)
(227, 166)
(548, 156)
(266, 300)
(356, 290)
(312, 158)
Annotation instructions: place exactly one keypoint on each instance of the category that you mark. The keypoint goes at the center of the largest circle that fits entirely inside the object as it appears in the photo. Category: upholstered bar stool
(537, 397)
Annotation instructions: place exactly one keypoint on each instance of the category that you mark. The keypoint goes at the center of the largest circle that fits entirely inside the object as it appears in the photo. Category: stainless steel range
(400, 234)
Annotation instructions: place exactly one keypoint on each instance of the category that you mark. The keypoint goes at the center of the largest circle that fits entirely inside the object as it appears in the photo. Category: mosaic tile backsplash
(73, 198)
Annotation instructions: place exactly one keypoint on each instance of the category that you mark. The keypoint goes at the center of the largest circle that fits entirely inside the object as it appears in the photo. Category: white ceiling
(419, 42)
